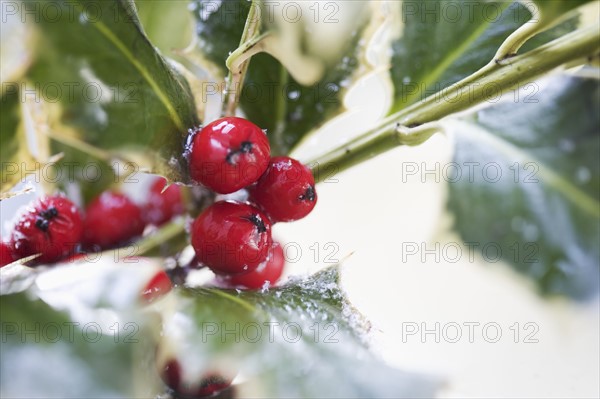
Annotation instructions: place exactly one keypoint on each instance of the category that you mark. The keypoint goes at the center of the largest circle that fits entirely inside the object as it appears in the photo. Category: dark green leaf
(443, 42)
(287, 109)
(272, 98)
(541, 213)
(117, 92)
(300, 340)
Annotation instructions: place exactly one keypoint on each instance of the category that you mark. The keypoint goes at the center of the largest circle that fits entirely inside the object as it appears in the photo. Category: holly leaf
(283, 103)
(531, 197)
(68, 359)
(81, 328)
(300, 340)
(443, 42)
(37, 340)
(15, 57)
(25, 150)
(120, 100)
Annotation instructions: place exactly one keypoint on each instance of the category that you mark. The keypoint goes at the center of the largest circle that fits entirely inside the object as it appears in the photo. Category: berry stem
(416, 123)
(235, 78)
(172, 233)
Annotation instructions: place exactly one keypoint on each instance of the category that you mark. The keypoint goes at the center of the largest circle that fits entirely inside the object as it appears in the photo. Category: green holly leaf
(443, 42)
(81, 328)
(39, 341)
(303, 339)
(47, 354)
(532, 197)
(283, 103)
(120, 104)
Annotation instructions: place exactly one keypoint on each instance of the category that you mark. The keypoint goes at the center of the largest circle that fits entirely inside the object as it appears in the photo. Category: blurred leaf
(300, 340)
(445, 41)
(25, 147)
(16, 278)
(551, 10)
(47, 355)
(17, 45)
(271, 97)
(118, 95)
(10, 118)
(532, 198)
(160, 17)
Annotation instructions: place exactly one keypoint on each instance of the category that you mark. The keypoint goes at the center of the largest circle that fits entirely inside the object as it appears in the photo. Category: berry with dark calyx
(208, 385)
(157, 287)
(111, 219)
(6, 254)
(228, 154)
(231, 237)
(270, 270)
(50, 226)
(286, 192)
(162, 206)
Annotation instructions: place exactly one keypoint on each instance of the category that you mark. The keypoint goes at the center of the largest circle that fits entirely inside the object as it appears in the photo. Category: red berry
(163, 205)
(6, 254)
(158, 286)
(270, 270)
(75, 258)
(111, 219)
(286, 191)
(228, 154)
(208, 385)
(51, 226)
(231, 237)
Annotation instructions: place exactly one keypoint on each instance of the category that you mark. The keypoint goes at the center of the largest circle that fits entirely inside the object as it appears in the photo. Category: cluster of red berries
(53, 227)
(231, 238)
(234, 238)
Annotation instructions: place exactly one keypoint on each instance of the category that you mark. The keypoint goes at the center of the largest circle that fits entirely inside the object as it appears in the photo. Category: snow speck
(530, 232)
(294, 94)
(583, 175)
(265, 287)
(566, 145)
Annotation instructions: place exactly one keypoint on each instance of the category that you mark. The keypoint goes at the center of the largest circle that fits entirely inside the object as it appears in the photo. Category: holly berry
(162, 206)
(111, 219)
(270, 270)
(50, 226)
(209, 385)
(286, 191)
(228, 154)
(231, 237)
(158, 286)
(6, 253)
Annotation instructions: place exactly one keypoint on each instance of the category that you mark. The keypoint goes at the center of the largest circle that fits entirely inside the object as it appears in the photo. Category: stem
(511, 45)
(413, 124)
(280, 109)
(235, 78)
(163, 235)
